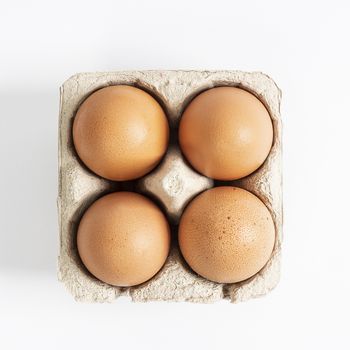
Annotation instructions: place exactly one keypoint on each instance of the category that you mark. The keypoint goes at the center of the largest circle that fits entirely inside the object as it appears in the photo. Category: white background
(303, 45)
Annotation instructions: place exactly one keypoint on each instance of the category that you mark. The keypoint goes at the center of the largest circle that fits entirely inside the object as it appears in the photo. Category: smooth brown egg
(226, 133)
(123, 239)
(226, 234)
(120, 132)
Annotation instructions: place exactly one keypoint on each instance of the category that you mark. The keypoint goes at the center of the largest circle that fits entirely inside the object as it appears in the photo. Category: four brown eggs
(226, 234)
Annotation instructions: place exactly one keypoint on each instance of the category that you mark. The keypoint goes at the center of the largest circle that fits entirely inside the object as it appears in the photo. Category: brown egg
(123, 239)
(226, 234)
(226, 133)
(120, 132)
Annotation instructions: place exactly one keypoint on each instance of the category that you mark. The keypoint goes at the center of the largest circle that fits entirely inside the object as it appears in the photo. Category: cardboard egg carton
(172, 185)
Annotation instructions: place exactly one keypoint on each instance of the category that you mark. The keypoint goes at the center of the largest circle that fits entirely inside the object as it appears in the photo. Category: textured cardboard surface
(172, 184)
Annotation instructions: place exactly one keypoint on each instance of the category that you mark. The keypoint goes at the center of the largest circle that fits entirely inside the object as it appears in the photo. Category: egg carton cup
(172, 185)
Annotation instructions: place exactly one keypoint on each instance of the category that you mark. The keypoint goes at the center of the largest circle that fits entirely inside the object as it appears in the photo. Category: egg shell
(226, 133)
(123, 239)
(120, 132)
(79, 187)
(226, 234)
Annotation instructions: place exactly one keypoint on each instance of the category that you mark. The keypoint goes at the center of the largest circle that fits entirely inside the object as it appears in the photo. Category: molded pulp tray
(172, 185)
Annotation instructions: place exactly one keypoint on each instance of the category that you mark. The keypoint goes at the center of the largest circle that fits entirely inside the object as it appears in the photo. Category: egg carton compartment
(172, 184)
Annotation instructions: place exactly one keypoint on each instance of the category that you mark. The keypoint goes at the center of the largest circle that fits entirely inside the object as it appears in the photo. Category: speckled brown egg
(120, 132)
(226, 234)
(226, 133)
(123, 239)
